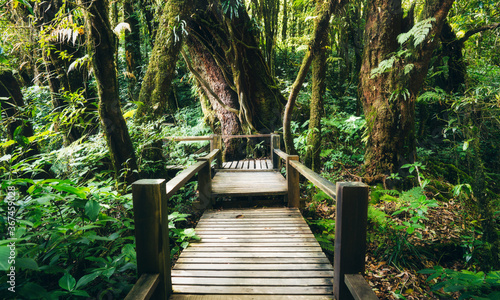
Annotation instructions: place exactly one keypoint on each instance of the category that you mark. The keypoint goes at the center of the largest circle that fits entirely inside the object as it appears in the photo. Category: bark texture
(234, 74)
(389, 98)
(101, 42)
(157, 81)
(313, 152)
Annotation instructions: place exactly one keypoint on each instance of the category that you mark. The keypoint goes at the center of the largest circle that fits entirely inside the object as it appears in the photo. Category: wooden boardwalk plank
(248, 184)
(249, 164)
(251, 274)
(253, 254)
(249, 297)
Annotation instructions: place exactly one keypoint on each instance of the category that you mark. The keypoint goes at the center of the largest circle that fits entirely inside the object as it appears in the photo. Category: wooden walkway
(253, 254)
(249, 164)
(248, 184)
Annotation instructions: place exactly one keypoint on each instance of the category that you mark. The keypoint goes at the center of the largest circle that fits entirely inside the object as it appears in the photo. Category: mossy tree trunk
(101, 43)
(485, 203)
(157, 81)
(223, 100)
(313, 152)
(315, 47)
(243, 93)
(389, 98)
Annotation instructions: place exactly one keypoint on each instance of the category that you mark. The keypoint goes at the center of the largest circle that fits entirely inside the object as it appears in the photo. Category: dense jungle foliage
(413, 112)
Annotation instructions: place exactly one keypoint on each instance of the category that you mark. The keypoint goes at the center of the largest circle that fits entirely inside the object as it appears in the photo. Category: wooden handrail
(325, 185)
(281, 154)
(359, 288)
(350, 223)
(210, 156)
(174, 184)
(189, 138)
(246, 136)
(144, 288)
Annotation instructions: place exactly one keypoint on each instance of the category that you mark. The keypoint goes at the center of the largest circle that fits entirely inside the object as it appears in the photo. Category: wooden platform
(249, 164)
(248, 184)
(253, 254)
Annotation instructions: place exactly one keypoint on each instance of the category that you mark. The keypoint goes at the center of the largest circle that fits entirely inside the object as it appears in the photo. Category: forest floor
(400, 279)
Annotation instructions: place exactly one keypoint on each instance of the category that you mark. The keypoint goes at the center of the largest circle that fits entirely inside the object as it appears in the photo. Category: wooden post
(205, 184)
(275, 144)
(292, 179)
(151, 232)
(350, 234)
(216, 143)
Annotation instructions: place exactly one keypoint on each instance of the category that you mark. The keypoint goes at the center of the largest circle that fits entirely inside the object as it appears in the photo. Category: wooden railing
(216, 143)
(150, 198)
(350, 226)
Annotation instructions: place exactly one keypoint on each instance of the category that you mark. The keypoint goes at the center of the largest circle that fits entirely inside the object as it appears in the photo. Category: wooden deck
(249, 164)
(248, 184)
(253, 254)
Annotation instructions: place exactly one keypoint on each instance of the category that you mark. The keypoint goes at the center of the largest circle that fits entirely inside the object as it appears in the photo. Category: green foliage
(468, 284)
(404, 224)
(68, 236)
(231, 7)
(179, 237)
(326, 235)
(417, 33)
(341, 135)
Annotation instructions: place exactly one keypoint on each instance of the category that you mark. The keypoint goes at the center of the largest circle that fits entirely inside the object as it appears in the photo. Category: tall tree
(316, 106)
(161, 68)
(229, 37)
(315, 46)
(452, 48)
(101, 44)
(389, 94)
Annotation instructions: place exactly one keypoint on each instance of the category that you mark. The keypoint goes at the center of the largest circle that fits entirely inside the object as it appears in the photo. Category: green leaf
(26, 263)
(86, 279)
(92, 208)
(80, 293)
(64, 187)
(67, 282)
(44, 199)
(453, 288)
(4, 258)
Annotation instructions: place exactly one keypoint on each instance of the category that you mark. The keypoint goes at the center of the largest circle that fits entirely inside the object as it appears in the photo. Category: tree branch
(473, 31)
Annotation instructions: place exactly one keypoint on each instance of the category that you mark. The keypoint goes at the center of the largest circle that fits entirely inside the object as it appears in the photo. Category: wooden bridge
(260, 253)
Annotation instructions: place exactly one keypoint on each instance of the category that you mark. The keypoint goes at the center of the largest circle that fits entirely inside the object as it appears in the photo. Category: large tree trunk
(312, 158)
(223, 100)
(157, 82)
(243, 92)
(389, 98)
(101, 42)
